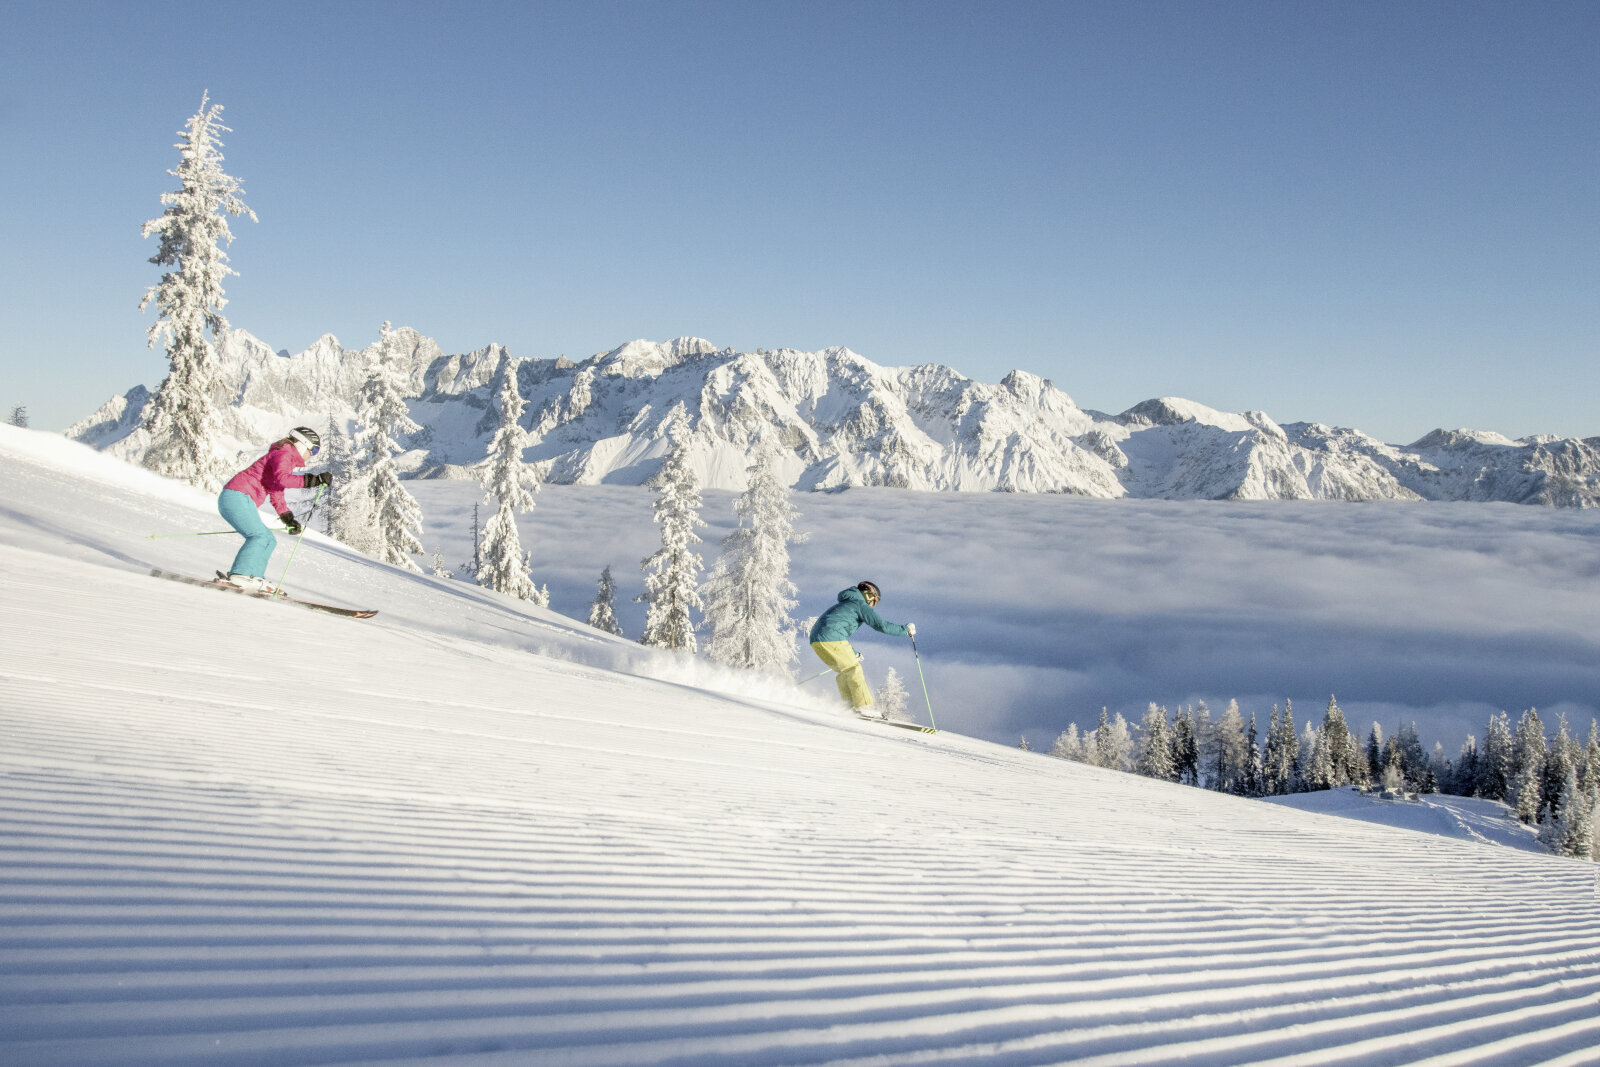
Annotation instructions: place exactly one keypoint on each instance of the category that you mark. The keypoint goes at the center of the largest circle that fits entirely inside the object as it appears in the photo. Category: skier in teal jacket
(830, 640)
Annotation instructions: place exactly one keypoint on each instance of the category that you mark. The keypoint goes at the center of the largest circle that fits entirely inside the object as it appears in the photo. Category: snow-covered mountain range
(843, 421)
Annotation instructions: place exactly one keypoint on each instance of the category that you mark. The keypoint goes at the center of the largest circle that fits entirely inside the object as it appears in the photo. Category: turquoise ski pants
(259, 542)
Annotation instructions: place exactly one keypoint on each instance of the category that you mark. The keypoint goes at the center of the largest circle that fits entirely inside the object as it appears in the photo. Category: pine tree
(1558, 766)
(1495, 761)
(748, 595)
(503, 566)
(469, 568)
(1070, 746)
(346, 508)
(1529, 750)
(1316, 770)
(1281, 762)
(19, 416)
(183, 422)
(893, 700)
(381, 412)
(1465, 780)
(1569, 830)
(1023, 744)
(1337, 762)
(1255, 775)
(1155, 746)
(602, 610)
(1229, 759)
(439, 569)
(1185, 748)
(670, 572)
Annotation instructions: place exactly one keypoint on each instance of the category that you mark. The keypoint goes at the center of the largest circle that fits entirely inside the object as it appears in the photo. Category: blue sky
(1381, 215)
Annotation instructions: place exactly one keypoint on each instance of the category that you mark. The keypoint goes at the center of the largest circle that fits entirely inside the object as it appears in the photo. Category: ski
(227, 587)
(917, 726)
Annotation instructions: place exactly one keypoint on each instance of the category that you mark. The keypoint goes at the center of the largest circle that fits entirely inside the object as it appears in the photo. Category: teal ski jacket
(848, 615)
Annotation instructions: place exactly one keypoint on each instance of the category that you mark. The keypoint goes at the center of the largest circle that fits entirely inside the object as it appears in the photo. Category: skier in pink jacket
(267, 478)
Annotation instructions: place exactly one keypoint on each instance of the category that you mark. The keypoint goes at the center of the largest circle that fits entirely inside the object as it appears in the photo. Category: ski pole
(924, 682)
(208, 533)
(819, 674)
(277, 590)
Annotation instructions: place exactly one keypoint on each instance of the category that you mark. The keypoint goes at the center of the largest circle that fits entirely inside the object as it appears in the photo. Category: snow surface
(467, 832)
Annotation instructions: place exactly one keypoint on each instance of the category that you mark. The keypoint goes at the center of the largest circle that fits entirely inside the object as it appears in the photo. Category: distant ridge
(842, 421)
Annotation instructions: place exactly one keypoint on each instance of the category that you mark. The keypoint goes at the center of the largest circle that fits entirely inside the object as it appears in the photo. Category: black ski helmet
(308, 437)
(870, 590)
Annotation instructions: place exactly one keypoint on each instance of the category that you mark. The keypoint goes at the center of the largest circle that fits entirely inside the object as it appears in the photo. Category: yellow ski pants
(851, 678)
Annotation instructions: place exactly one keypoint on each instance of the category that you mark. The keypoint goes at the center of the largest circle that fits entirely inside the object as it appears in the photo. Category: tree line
(1549, 782)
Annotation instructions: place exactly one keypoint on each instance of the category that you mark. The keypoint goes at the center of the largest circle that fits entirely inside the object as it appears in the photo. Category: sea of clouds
(1034, 612)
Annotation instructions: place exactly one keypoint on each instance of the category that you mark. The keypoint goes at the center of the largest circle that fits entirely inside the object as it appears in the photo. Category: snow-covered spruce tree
(439, 569)
(182, 420)
(1569, 829)
(1185, 748)
(748, 595)
(19, 416)
(1280, 763)
(1256, 772)
(1316, 772)
(381, 414)
(1070, 746)
(603, 609)
(1155, 746)
(344, 502)
(1529, 751)
(1563, 759)
(1113, 743)
(502, 566)
(1228, 757)
(1496, 759)
(1336, 764)
(671, 572)
(893, 698)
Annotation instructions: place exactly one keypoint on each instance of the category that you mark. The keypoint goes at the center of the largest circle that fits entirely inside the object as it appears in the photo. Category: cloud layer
(1036, 611)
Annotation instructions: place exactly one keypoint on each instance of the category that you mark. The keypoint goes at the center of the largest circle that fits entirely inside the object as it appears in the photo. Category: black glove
(291, 523)
(320, 478)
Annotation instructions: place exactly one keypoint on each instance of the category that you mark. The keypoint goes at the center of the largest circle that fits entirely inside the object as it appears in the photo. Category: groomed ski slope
(472, 833)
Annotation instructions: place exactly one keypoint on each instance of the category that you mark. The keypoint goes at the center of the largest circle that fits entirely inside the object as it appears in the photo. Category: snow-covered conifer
(893, 698)
(395, 517)
(1185, 748)
(347, 501)
(1023, 744)
(439, 569)
(1070, 746)
(19, 416)
(671, 572)
(748, 595)
(1113, 742)
(1558, 764)
(1316, 770)
(502, 564)
(603, 609)
(1256, 774)
(1338, 748)
(1528, 753)
(1496, 759)
(1569, 829)
(1155, 746)
(1228, 753)
(1281, 762)
(182, 420)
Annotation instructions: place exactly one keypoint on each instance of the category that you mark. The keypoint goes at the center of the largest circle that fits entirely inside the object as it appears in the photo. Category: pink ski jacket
(270, 475)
